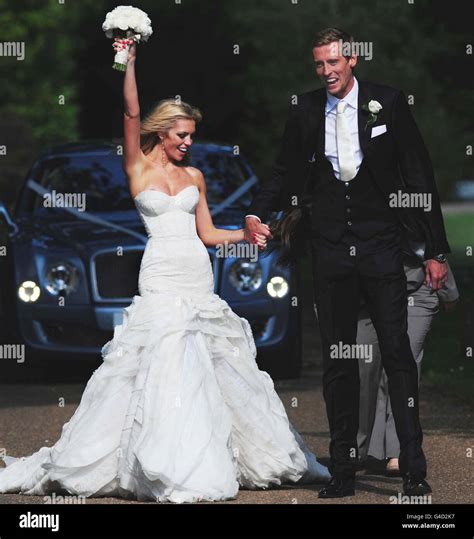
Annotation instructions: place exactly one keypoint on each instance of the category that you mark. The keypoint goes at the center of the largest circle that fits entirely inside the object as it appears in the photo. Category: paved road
(31, 416)
(457, 207)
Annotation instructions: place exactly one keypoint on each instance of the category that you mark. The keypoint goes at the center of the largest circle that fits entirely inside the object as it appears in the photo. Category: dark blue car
(64, 287)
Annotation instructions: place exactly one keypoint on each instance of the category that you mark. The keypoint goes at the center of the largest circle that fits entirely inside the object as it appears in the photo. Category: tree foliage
(239, 61)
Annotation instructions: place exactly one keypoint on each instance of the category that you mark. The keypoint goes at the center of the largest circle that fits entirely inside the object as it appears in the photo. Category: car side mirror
(5, 215)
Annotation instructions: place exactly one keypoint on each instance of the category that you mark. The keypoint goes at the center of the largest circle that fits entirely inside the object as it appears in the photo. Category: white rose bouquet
(126, 24)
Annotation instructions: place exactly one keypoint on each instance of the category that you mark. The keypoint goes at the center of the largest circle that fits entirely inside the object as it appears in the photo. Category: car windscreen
(224, 173)
(101, 178)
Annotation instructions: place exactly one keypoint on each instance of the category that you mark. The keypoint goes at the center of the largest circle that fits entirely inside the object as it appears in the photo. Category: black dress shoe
(415, 486)
(338, 488)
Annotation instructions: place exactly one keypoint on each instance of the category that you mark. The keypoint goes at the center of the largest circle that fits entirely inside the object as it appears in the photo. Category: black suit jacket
(397, 160)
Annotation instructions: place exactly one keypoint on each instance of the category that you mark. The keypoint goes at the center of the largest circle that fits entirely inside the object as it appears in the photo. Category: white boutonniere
(373, 108)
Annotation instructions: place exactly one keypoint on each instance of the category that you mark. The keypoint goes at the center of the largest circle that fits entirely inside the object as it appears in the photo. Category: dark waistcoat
(357, 205)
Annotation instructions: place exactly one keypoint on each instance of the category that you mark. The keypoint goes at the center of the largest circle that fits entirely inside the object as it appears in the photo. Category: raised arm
(132, 161)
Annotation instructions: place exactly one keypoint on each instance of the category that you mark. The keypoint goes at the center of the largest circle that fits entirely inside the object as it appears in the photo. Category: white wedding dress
(178, 410)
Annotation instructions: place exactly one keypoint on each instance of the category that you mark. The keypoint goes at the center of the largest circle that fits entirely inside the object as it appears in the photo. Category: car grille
(259, 327)
(75, 334)
(115, 277)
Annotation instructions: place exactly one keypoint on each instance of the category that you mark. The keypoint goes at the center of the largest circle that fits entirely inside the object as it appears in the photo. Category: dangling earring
(163, 153)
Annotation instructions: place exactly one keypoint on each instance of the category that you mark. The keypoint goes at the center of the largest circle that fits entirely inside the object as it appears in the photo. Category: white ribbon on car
(219, 208)
(234, 196)
(35, 186)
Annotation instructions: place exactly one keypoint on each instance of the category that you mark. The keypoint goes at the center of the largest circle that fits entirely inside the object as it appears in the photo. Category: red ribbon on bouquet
(121, 43)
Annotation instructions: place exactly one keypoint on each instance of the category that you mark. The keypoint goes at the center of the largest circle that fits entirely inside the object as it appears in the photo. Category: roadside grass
(449, 363)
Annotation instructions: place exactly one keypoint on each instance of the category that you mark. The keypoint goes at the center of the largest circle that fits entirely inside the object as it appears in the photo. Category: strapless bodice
(175, 260)
(168, 216)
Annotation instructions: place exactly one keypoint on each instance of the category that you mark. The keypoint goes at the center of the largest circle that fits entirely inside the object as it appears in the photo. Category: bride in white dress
(178, 410)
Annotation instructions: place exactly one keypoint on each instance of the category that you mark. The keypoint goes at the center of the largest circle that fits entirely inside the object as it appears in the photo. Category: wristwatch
(442, 259)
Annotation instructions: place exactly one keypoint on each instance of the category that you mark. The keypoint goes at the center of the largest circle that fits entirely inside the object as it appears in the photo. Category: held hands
(256, 232)
(436, 274)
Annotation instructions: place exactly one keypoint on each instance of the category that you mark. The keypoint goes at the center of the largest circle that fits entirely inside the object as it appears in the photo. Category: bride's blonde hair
(162, 118)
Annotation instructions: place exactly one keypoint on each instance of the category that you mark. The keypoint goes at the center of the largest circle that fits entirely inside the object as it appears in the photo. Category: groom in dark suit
(354, 151)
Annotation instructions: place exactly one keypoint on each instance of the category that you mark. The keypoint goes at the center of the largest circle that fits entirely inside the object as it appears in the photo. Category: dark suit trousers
(341, 272)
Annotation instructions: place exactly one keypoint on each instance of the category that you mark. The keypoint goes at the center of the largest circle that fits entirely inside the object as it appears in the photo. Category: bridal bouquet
(126, 24)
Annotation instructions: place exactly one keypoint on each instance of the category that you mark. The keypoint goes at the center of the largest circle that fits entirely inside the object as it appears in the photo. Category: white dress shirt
(351, 113)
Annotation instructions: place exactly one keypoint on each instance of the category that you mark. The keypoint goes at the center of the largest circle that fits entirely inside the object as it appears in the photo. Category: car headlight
(277, 287)
(61, 278)
(28, 291)
(246, 276)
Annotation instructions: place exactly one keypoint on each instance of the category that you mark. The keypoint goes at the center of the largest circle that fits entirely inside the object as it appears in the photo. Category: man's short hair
(329, 35)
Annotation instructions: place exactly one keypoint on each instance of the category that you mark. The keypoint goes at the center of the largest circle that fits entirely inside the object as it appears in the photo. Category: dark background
(419, 47)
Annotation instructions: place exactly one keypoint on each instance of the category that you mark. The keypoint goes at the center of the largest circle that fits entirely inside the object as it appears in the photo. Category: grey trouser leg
(377, 436)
